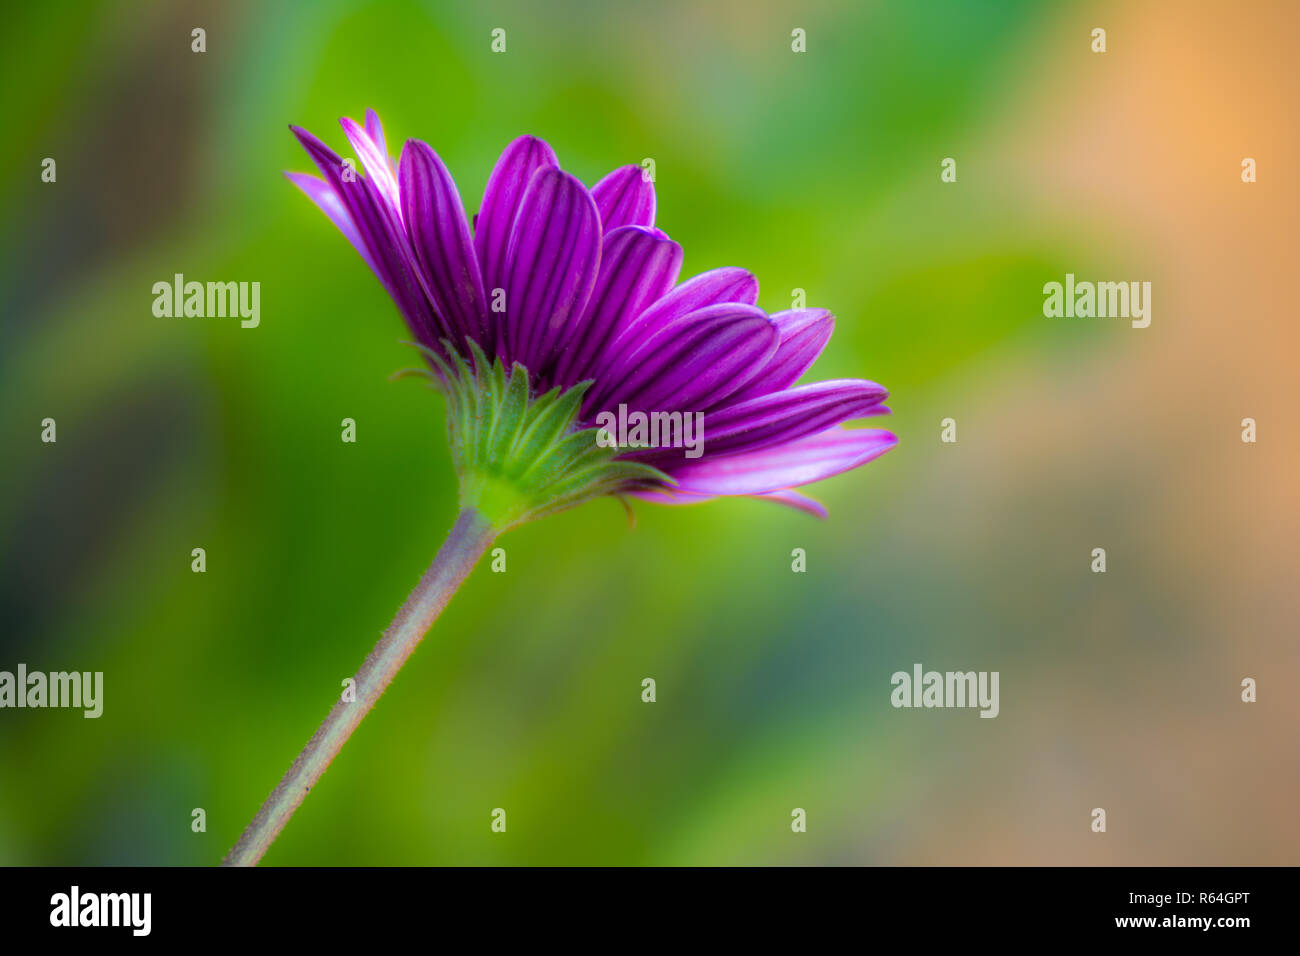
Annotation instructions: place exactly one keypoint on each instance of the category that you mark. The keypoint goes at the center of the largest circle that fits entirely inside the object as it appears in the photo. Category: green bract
(520, 456)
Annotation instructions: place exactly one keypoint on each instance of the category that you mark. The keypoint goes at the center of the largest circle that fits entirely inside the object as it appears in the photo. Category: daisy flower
(552, 314)
(565, 284)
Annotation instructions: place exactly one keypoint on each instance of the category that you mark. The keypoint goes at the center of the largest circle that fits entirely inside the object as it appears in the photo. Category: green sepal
(520, 457)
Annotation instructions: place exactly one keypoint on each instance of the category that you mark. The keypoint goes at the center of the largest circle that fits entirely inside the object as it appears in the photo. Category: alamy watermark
(75, 908)
(76, 689)
(651, 430)
(215, 300)
(923, 688)
(1102, 300)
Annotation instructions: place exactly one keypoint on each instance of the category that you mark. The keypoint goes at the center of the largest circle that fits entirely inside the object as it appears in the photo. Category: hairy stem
(469, 538)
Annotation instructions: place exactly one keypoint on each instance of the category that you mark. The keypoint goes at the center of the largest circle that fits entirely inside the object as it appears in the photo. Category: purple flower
(577, 284)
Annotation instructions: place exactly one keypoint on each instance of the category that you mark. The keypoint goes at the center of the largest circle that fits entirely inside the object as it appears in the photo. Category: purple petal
(625, 198)
(319, 192)
(714, 287)
(376, 223)
(782, 417)
(692, 363)
(375, 161)
(636, 268)
(804, 333)
(784, 466)
(799, 502)
(501, 198)
(435, 220)
(375, 130)
(552, 263)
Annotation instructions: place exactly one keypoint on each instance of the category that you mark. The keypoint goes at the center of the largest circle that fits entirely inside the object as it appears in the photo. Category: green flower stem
(468, 540)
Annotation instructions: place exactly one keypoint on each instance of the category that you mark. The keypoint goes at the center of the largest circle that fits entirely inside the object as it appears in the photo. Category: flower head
(557, 313)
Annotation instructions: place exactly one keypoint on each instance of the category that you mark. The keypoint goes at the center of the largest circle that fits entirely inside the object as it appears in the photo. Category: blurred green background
(817, 171)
